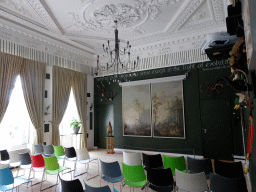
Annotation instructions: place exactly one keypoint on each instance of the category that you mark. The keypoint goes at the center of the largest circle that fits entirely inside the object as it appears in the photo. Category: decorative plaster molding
(83, 43)
(126, 16)
(218, 10)
(44, 15)
(198, 16)
(186, 14)
(6, 11)
(51, 42)
(137, 31)
(17, 4)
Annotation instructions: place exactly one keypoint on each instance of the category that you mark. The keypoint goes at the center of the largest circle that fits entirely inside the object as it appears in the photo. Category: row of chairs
(38, 162)
(202, 169)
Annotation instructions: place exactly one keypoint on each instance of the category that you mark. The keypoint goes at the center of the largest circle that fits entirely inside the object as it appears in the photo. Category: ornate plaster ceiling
(89, 23)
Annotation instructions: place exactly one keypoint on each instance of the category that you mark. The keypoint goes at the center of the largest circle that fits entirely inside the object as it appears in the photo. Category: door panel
(216, 129)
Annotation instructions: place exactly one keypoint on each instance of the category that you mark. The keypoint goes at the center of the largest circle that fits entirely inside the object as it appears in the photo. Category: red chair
(37, 166)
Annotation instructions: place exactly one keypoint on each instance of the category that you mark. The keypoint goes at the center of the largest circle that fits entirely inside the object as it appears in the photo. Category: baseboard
(119, 150)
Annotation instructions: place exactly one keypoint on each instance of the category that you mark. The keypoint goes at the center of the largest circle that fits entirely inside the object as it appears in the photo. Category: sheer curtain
(9, 69)
(62, 80)
(80, 93)
(33, 85)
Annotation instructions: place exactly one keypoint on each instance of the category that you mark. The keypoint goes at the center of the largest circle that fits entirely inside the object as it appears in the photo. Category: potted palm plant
(75, 124)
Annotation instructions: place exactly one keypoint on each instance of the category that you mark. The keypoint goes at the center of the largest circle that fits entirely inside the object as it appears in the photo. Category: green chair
(52, 168)
(59, 152)
(134, 175)
(175, 163)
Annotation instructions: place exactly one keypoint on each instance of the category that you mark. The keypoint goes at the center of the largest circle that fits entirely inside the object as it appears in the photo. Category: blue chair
(115, 189)
(7, 182)
(96, 189)
(111, 172)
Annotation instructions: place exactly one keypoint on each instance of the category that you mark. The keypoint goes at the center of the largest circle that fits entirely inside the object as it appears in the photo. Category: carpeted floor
(101, 154)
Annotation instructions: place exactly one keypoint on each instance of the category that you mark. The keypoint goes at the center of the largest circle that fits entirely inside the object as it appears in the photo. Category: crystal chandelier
(118, 59)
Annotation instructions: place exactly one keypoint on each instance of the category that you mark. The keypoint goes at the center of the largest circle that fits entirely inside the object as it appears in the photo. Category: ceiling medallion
(124, 14)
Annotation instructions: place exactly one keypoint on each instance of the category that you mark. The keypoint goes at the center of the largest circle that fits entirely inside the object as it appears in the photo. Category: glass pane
(16, 122)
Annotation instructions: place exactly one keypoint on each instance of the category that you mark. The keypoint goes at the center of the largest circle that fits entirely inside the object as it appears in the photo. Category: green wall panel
(194, 90)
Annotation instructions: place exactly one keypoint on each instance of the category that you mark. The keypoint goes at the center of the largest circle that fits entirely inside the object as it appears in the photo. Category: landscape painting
(136, 103)
(167, 110)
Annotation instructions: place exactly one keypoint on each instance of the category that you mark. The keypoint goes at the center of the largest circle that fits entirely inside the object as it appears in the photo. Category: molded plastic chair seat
(152, 161)
(71, 186)
(37, 165)
(59, 153)
(52, 167)
(134, 176)
(88, 188)
(229, 169)
(4, 157)
(200, 165)
(48, 150)
(7, 181)
(175, 163)
(25, 161)
(224, 184)
(131, 158)
(160, 179)
(38, 149)
(111, 172)
(191, 182)
(83, 157)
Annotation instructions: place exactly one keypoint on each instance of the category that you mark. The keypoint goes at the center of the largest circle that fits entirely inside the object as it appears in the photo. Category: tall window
(67, 139)
(16, 123)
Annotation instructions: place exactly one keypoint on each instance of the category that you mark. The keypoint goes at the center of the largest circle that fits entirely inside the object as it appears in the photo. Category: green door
(216, 129)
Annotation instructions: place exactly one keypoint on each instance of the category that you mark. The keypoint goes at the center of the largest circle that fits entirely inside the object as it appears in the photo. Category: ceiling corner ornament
(43, 14)
(192, 7)
(17, 4)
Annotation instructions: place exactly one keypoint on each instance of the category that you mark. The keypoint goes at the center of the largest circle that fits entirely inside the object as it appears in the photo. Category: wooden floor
(81, 168)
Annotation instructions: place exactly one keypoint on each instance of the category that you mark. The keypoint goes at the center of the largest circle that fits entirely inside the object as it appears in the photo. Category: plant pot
(76, 129)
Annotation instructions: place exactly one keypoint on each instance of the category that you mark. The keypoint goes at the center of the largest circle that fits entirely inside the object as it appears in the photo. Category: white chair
(14, 160)
(191, 182)
(83, 157)
(131, 158)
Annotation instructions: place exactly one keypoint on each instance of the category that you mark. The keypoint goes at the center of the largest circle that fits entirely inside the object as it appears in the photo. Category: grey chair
(224, 184)
(111, 173)
(48, 150)
(38, 149)
(25, 162)
(191, 182)
(200, 165)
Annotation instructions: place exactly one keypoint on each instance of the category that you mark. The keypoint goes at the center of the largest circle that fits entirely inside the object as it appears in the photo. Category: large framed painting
(168, 110)
(136, 103)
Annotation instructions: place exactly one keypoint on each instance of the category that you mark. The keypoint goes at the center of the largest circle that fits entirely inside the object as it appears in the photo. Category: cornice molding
(48, 41)
(8, 11)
